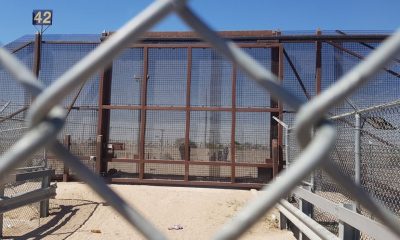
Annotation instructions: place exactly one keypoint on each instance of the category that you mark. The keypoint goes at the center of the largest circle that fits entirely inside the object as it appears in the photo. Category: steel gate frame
(104, 119)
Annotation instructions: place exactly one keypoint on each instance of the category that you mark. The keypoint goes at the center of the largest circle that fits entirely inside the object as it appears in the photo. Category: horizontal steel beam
(257, 35)
(267, 164)
(35, 174)
(8, 204)
(191, 108)
(24, 176)
(368, 109)
(187, 183)
(360, 222)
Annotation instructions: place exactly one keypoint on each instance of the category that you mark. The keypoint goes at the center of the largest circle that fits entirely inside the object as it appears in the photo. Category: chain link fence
(379, 161)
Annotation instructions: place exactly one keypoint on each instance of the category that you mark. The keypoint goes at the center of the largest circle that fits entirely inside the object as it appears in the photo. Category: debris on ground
(176, 227)
(95, 231)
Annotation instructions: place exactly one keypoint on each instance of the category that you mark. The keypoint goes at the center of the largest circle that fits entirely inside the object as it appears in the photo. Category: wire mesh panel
(162, 171)
(127, 77)
(165, 135)
(303, 58)
(167, 74)
(124, 129)
(380, 159)
(53, 66)
(248, 93)
(333, 62)
(252, 174)
(82, 103)
(211, 79)
(10, 90)
(210, 173)
(382, 88)
(252, 137)
(210, 132)
(19, 43)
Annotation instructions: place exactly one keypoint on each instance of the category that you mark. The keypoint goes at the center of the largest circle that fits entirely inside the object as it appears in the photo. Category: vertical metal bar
(187, 130)
(1, 215)
(44, 205)
(283, 221)
(318, 64)
(287, 154)
(306, 207)
(100, 119)
(67, 144)
(37, 54)
(275, 158)
(233, 125)
(99, 153)
(347, 232)
(103, 118)
(275, 69)
(143, 112)
(280, 106)
(357, 150)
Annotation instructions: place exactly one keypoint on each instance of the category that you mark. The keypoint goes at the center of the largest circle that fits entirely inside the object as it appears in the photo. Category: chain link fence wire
(379, 162)
(44, 125)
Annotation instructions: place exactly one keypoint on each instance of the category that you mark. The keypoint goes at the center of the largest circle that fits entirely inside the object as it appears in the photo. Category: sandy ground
(79, 213)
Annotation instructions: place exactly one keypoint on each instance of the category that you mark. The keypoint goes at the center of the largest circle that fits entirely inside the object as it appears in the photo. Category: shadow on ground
(67, 216)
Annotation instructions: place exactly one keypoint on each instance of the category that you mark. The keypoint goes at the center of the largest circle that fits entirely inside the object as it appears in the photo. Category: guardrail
(350, 222)
(41, 195)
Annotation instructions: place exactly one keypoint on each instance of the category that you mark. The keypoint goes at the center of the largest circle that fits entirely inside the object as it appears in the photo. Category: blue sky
(83, 16)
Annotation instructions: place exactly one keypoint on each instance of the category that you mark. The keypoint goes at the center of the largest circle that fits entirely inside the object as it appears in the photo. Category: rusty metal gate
(179, 113)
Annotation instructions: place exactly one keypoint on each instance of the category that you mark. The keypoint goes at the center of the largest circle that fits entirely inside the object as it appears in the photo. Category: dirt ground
(79, 213)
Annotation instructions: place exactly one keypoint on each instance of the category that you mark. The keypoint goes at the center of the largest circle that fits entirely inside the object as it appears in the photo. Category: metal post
(347, 232)
(312, 175)
(286, 132)
(283, 221)
(357, 150)
(275, 158)
(306, 207)
(44, 205)
(187, 127)
(1, 215)
(37, 54)
(99, 154)
(67, 144)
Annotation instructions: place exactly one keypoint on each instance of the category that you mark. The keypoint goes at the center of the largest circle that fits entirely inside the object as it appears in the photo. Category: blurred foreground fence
(321, 74)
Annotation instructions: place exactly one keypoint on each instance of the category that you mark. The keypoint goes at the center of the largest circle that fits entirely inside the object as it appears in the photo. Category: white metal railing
(45, 118)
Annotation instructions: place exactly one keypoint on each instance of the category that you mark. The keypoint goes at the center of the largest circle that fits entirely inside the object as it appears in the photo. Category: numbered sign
(42, 17)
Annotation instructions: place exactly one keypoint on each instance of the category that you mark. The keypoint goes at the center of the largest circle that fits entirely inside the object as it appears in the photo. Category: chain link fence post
(1, 215)
(67, 144)
(357, 150)
(44, 205)
(347, 232)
